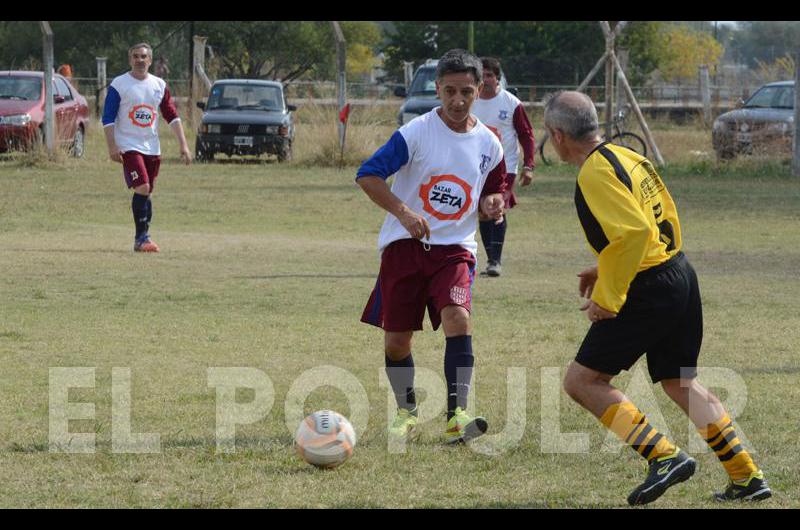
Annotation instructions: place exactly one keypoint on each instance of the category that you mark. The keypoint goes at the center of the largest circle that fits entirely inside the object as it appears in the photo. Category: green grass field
(268, 266)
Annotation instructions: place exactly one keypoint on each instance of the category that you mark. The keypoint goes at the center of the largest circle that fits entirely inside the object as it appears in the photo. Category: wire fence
(324, 93)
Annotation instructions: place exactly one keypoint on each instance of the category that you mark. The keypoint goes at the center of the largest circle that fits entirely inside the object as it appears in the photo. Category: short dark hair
(491, 64)
(457, 61)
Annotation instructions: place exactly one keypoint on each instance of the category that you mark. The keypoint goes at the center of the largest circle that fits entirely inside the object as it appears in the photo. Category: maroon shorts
(140, 169)
(412, 278)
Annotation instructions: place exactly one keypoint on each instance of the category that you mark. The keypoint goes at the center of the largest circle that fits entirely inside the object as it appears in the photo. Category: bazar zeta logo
(142, 115)
(446, 197)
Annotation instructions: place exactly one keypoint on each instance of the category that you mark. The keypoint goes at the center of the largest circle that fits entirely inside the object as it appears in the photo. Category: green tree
(531, 52)
(287, 50)
(764, 41)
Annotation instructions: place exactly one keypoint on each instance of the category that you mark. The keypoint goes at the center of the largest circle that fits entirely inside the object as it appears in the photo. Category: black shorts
(662, 316)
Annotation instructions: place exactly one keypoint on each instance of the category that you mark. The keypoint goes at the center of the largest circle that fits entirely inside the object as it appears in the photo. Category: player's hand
(115, 155)
(526, 177)
(416, 225)
(586, 283)
(186, 155)
(492, 205)
(595, 313)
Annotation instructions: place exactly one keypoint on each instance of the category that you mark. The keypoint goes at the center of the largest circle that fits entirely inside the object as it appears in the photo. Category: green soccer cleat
(404, 425)
(663, 472)
(462, 428)
(753, 488)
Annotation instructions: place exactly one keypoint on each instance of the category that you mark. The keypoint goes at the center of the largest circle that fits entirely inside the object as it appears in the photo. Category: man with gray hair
(642, 298)
(446, 164)
(135, 102)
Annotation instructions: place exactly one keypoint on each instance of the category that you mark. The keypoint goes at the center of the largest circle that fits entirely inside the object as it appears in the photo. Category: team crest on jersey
(142, 115)
(446, 197)
(503, 115)
(458, 295)
(485, 159)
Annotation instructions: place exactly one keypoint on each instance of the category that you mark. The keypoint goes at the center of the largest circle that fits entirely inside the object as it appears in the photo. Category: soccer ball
(325, 439)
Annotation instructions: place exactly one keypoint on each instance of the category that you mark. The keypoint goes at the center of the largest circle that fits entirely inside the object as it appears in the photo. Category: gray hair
(573, 113)
(141, 45)
(457, 61)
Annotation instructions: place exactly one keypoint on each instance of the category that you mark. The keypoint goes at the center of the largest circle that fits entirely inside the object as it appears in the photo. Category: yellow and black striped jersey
(628, 217)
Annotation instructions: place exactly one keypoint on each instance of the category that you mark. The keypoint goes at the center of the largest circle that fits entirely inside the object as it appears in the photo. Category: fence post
(609, 90)
(408, 73)
(622, 56)
(705, 94)
(101, 86)
(796, 147)
(49, 120)
(196, 81)
(341, 65)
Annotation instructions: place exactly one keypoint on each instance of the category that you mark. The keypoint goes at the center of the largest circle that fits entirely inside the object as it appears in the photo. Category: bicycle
(632, 141)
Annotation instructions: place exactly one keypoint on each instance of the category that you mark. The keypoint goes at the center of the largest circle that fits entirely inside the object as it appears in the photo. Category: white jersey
(439, 174)
(498, 114)
(133, 107)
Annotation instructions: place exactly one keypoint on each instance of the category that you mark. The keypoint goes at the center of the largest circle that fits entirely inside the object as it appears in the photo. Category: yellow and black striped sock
(632, 427)
(721, 438)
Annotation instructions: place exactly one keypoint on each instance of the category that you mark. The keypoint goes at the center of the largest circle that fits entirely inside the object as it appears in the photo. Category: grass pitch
(268, 266)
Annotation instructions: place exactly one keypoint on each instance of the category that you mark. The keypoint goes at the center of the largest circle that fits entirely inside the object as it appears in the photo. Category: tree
(287, 50)
(531, 52)
(681, 50)
(764, 41)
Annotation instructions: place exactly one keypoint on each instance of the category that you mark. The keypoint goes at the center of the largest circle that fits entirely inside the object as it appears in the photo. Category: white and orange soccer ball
(325, 439)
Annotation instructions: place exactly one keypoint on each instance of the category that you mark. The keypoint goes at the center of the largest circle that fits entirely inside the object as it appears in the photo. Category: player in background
(504, 114)
(446, 165)
(643, 297)
(130, 122)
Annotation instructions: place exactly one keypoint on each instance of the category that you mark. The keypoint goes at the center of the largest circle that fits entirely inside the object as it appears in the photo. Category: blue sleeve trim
(111, 107)
(387, 160)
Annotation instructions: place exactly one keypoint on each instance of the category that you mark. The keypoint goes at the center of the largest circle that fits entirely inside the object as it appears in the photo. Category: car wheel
(203, 155)
(725, 154)
(78, 144)
(285, 152)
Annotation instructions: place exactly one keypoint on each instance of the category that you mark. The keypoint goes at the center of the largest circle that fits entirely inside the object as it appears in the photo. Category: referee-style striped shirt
(629, 219)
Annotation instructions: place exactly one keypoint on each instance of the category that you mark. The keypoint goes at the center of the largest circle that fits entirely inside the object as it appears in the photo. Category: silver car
(762, 124)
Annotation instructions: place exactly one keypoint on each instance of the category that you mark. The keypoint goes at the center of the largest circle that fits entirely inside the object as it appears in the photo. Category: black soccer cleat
(662, 473)
(754, 488)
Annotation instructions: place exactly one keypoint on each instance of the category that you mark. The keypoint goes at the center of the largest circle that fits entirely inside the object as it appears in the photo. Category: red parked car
(22, 111)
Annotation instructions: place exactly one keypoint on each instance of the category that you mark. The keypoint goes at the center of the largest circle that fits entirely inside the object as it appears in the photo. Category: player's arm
(377, 190)
(491, 203)
(170, 113)
(624, 226)
(524, 131)
(372, 175)
(110, 110)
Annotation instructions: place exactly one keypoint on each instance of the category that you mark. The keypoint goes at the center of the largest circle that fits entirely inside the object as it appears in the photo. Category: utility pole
(471, 36)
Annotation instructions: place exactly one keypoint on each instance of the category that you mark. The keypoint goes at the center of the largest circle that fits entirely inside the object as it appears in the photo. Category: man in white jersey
(130, 121)
(504, 114)
(446, 165)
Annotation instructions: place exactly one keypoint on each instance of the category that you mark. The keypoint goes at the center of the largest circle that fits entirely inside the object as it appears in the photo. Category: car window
(21, 88)
(785, 98)
(233, 96)
(424, 82)
(772, 97)
(62, 89)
